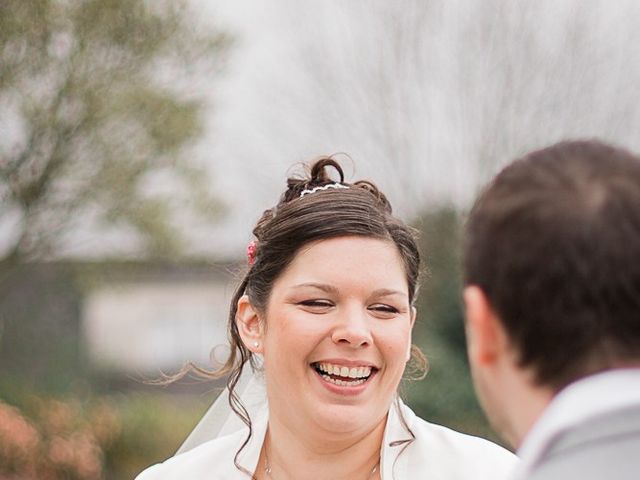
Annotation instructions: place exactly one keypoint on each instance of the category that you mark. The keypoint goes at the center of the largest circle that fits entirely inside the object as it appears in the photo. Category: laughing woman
(324, 317)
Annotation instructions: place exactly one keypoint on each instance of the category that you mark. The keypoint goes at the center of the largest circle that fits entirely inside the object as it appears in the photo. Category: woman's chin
(333, 408)
(343, 407)
(343, 419)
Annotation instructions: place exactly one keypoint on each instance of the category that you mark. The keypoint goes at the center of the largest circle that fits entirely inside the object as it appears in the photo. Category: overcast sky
(429, 98)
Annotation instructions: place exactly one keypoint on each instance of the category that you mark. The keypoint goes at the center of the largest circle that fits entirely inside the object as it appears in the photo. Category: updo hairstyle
(302, 217)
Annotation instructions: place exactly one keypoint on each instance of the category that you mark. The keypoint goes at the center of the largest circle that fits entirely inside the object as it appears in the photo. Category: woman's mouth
(344, 376)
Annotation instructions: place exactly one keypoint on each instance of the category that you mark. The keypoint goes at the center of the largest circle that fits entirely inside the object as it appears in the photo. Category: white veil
(220, 420)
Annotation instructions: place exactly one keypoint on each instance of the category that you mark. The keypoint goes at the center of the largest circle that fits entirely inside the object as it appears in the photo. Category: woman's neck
(290, 454)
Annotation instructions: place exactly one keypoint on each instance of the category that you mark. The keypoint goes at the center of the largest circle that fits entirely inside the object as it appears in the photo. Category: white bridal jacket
(437, 453)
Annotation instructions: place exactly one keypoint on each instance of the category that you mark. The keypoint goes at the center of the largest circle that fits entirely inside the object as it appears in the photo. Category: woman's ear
(250, 325)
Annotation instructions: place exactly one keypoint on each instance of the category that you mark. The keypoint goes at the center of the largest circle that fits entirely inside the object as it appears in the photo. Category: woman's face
(337, 335)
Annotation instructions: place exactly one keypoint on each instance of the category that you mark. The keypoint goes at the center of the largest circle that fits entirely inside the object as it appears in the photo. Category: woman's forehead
(344, 260)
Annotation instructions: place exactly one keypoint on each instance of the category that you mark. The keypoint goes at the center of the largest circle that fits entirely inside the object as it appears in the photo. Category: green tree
(97, 104)
(446, 395)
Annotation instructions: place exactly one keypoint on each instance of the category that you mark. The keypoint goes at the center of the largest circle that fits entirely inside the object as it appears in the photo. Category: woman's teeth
(358, 374)
(344, 383)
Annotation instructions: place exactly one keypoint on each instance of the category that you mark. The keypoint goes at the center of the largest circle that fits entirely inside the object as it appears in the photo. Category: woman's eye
(316, 303)
(383, 308)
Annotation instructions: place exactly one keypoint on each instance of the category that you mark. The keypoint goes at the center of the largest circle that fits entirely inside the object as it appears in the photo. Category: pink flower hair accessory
(251, 252)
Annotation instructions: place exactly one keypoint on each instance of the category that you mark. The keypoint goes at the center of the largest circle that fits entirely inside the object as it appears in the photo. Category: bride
(322, 324)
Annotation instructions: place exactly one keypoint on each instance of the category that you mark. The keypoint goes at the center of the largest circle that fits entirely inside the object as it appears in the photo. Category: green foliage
(40, 331)
(97, 94)
(446, 395)
(153, 426)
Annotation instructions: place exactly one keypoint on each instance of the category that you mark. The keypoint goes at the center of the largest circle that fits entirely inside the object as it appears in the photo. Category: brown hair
(360, 209)
(554, 242)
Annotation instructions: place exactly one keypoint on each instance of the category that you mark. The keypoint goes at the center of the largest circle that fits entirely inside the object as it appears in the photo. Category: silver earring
(256, 344)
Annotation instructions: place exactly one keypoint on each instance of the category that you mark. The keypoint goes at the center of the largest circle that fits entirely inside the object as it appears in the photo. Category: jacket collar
(581, 401)
(397, 437)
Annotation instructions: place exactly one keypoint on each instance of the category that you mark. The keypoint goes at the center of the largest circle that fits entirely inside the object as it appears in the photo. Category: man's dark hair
(554, 243)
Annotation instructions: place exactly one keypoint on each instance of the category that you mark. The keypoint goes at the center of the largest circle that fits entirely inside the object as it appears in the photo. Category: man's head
(552, 269)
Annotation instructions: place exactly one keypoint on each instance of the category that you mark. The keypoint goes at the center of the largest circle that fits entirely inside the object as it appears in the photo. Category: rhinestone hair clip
(324, 187)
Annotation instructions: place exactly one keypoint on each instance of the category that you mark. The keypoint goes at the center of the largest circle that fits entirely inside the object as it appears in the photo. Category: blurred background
(141, 140)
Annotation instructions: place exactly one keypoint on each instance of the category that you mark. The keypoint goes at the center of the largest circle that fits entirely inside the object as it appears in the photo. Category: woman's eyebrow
(381, 292)
(385, 292)
(320, 286)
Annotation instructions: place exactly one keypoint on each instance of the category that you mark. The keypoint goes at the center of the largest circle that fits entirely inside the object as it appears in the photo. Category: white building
(157, 318)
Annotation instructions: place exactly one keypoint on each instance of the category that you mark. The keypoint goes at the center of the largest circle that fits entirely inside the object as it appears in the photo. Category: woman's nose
(352, 329)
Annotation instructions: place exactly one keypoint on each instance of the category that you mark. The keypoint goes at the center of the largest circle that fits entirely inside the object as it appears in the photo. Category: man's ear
(250, 326)
(486, 338)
